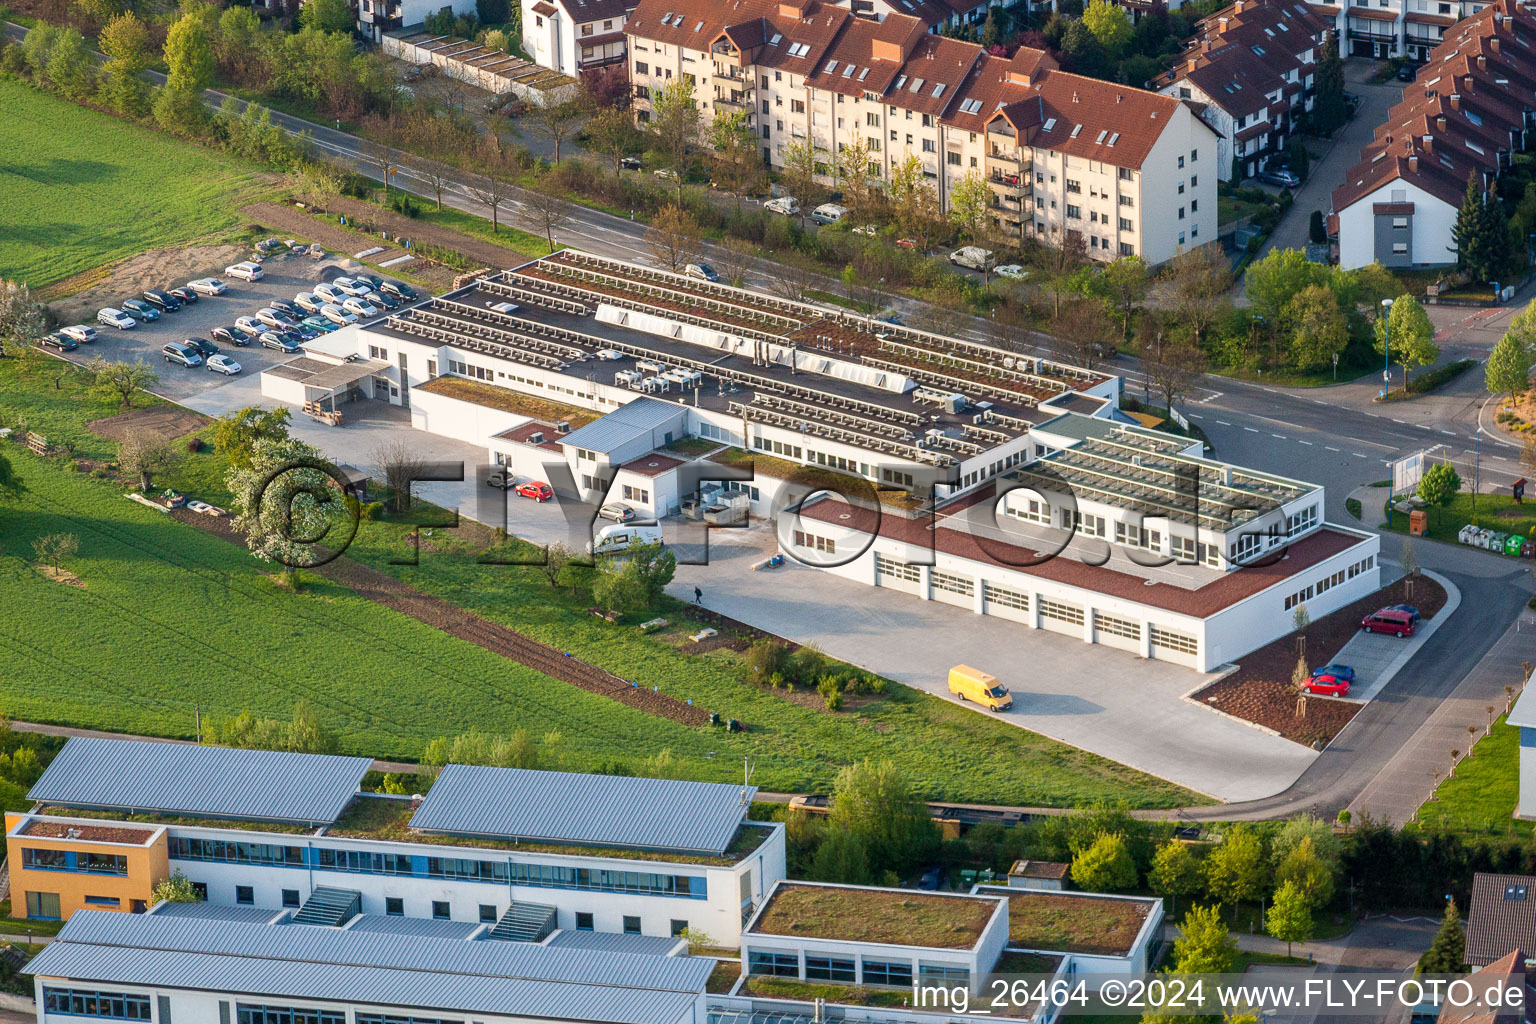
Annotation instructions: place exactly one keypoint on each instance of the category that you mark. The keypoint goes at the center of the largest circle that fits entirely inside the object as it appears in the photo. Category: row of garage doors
(1059, 616)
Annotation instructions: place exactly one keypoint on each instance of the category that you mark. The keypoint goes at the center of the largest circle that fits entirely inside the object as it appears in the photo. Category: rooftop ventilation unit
(563, 427)
(537, 437)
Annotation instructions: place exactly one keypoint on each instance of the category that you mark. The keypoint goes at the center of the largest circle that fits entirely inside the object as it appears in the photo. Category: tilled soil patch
(1260, 690)
(166, 422)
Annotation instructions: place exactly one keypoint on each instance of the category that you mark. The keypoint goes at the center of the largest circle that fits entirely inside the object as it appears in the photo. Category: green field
(82, 188)
(1481, 798)
(172, 619)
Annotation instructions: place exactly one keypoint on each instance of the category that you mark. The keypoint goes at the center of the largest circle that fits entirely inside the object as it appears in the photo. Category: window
(631, 924)
(394, 906)
(1301, 521)
(43, 905)
(1181, 188)
(1127, 201)
(928, 146)
(1399, 248)
(1400, 223)
(379, 1018)
(246, 1014)
(879, 972)
(1181, 213)
(291, 897)
(440, 910)
(943, 974)
(1126, 225)
(1194, 155)
(1171, 641)
(885, 566)
(228, 851)
(826, 968)
(1194, 206)
(487, 913)
(1126, 174)
(103, 901)
(1074, 212)
(1061, 611)
(245, 896)
(44, 860)
(641, 68)
(1006, 597)
(806, 540)
(782, 965)
(1181, 161)
(1116, 626)
(637, 494)
(76, 1002)
(952, 582)
(953, 159)
(1074, 186)
(583, 921)
(678, 927)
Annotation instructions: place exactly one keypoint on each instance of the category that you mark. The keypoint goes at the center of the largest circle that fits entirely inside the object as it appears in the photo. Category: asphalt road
(1333, 436)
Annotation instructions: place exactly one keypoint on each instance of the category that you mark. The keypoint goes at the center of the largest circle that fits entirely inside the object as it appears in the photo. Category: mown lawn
(172, 620)
(1494, 511)
(1481, 797)
(82, 188)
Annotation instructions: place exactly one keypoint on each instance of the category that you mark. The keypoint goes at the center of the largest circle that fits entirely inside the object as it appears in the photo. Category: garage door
(1061, 617)
(953, 588)
(897, 575)
(1006, 602)
(1179, 648)
(1114, 631)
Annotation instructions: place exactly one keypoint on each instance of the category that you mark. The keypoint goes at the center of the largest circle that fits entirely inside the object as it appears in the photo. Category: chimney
(1192, 63)
(1429, 140)
(1413, 165)
(1493, 43)
(1455, 101)
(1482, 63)
(1440, 123)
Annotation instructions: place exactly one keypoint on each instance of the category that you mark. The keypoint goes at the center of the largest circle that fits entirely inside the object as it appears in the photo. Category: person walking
(698, 596)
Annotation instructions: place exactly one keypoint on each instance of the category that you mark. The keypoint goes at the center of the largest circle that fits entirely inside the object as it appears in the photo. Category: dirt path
(374, 220)
(77, 298)
(392, 593)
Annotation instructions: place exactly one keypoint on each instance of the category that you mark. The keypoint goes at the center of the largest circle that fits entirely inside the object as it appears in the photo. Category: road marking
(1196, 416)
(1358, 455)
(1280, 436)
(1224, 423)
(1332, 448)
(1300, 441)
(1395, 420)
(1450, 432)
(1252, 430)
(1424, 426)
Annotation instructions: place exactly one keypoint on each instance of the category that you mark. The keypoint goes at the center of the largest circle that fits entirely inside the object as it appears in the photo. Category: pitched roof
(1501, 916)
(214, 782)
(624, 424)
(1464, 108)
(582, 11)
(1243, 54)
(1507, 974)
(602, 810)
(1098, 120)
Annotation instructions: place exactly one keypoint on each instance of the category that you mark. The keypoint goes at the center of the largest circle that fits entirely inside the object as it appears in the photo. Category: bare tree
(558, 122)
(379, 158)
(1078, 332)
(1174, 368)
(792, 281)
(1199, 280)
(400, 464)
(51, 549)
(546, 209)
(146, 453)
(734, 258)
(674, 238)
(494, 191)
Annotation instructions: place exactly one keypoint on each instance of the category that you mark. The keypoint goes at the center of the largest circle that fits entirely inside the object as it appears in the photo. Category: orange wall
(146, 865)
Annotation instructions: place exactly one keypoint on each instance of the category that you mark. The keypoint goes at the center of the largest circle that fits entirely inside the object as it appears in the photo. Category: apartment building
(1065, 154)
(1250, 69)
(1393, 28)
(571, 36)
(1464, 116)
(517, 853)
(376, 17)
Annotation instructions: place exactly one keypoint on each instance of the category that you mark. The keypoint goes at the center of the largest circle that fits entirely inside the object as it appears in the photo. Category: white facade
(567, 37)
(1420, 238)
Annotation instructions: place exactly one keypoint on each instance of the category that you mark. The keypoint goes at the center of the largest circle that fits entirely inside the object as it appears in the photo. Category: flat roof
(1055, 921)
(971, 537)
(623, 425)
(83, 833)
(342, 965)
(891, 917)
(601, 810)
(215, 782)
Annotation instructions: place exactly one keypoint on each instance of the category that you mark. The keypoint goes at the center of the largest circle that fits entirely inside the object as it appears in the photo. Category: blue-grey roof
(598, 810)
(614, 942)
(211, 782)
(423, 926)
(624, 424)
(217, 912)
(340, 965)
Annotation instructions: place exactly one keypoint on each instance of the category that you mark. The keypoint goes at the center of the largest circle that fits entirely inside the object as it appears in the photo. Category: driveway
(1328, 172)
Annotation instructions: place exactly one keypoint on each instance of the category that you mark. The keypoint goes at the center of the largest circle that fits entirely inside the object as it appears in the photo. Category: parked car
(58, 340)
(207, 286)
(630, 163)
(223, 364)
(973, 684)
(1344, 672)
(1012, 271)
(250, 325)
(538, 490)
(368, 281)
(303, 331)
(164, 301)
(116, 318)
(665, 173)
(907, 243)
(185, 294)
(829, 213)
(246, 271)
(141, 309)
(972, 256)
(1280, 176)
(399, 289)
(383, 300)
(1407, 73)
(702, 271)
(328, 293)
(501, 478)
(308, 301)
(362, 307)
(202, 346)
(336, 315)
(80, 332)
(1408, 609)
(617, 511)
(231, 336)
(291, 334)
(175, 352)
(1389, 620)
(286, 307)
(1328, 686)
(320, 324)
(787, 205)
(867, 230)
(932, 878)
(272, 339)
(273, 317)
(347, 286)
(251, 332)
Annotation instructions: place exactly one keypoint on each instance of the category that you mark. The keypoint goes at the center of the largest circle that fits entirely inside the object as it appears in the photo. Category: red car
(538, 490)
(1389, 620)
(1328, 686)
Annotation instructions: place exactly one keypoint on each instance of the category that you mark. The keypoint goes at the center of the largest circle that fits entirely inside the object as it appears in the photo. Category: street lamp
(1386, 347)
(1477, 474)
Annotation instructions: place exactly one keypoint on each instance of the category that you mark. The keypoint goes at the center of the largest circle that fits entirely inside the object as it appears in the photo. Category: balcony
(737, 99)
(1012, 186)
(1003, 156)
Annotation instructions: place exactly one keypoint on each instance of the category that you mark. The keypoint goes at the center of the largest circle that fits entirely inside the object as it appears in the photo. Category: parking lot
(287, 274)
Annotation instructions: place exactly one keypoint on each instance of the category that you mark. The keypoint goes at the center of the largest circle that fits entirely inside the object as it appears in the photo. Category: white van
(618, 538)
(829, 213)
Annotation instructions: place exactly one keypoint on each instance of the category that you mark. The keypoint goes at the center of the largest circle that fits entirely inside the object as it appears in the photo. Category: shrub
(831, 689)
(1435, 378)
(766, 659)
(71, 466)
(373, 510)
(809, 665)
(195, 445)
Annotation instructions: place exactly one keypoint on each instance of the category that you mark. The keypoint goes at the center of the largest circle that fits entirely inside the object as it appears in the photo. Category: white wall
(1433, 220)
(465, 421)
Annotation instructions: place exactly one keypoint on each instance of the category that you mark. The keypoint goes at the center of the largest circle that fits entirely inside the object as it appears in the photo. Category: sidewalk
(1377, 657)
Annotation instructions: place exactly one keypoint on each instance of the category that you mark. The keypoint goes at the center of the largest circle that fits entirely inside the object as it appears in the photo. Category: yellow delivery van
(973, 684)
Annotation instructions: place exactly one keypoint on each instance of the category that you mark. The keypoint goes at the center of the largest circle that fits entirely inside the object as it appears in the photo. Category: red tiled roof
(1371, 14)
(1392, 209)
(600, 40)
(583, 11)
(1429, 19)
(1232, 587)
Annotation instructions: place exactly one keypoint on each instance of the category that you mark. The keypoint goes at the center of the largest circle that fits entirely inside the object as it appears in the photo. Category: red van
(1389, 620)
